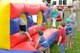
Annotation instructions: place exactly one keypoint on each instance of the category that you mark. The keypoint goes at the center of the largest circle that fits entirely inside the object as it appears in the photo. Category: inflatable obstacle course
(10, 36)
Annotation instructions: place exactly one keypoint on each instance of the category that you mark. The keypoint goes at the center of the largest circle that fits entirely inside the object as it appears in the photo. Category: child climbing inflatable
(41, 39)
(22, 26)
(46, 39)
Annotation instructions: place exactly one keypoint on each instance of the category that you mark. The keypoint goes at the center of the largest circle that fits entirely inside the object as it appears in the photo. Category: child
(22, 26)
(73, 22)
(54, 15)
(61, 37)
(68, 33)
(41, 43)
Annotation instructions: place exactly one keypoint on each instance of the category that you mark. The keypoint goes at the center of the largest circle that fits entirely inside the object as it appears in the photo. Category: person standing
(48, 15)
(54, 14)
(68, 33)
(61, 36)
(73, 22)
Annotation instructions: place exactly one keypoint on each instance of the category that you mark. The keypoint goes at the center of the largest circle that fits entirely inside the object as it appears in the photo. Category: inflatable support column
(44, 17)
(4, 25)
(40, 18)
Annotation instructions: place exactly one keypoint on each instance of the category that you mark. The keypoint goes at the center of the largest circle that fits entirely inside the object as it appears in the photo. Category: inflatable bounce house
(10, 39)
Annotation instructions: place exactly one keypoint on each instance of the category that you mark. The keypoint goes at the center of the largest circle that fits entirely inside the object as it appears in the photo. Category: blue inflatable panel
(44, 17)
(14, 25)
(52, 39)
(17, 51)
(30, 21)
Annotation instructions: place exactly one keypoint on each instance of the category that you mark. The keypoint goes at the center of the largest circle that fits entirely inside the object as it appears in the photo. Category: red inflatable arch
(16, 9)
(43, 7)
(34, 9)
(27, 7)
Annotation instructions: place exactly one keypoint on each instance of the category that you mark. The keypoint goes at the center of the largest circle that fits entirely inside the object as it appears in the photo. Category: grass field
(75, 47)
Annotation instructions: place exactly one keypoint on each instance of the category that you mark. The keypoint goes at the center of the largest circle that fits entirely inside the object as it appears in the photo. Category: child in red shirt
(62, 36)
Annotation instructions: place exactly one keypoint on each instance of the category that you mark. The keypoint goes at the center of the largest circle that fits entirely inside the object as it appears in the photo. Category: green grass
(75, 47)
(57, 23)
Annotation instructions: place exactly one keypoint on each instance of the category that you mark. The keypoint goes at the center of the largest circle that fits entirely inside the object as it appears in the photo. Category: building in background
(61, 2)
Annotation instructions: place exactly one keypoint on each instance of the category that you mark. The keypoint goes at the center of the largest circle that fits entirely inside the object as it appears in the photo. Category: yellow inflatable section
(40, 18)
(4, 24)
(24, 17)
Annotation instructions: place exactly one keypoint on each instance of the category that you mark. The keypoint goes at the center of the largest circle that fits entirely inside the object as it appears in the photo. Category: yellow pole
(40, 18)
(5, 24)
